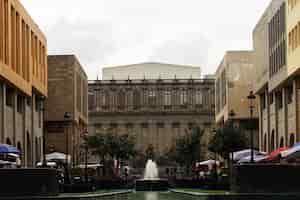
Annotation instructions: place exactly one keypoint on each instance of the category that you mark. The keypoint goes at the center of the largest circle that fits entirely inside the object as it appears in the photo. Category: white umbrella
(94, 166)
(58, 156)
(244, 153)
(256, 158)
(209, 162)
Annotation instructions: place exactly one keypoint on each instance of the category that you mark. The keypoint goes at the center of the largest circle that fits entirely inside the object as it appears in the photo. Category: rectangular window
(279, 100)
(167, 98)
(271, 98)
(289, 94)
(10, 96)
(20, 104)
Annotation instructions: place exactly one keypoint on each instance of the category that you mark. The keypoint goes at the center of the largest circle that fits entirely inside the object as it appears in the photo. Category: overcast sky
(116, 32)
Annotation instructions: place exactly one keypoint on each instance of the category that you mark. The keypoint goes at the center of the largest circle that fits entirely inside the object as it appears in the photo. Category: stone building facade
(234, 81)
(68, 88)
(276, 46)
(155, 111)
(23, 81)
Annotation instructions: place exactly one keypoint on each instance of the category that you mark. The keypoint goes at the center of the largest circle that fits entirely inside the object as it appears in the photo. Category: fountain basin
(151, 185)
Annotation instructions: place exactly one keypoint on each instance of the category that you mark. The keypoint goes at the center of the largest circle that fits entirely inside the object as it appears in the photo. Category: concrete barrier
(266, 178)
(28, 182)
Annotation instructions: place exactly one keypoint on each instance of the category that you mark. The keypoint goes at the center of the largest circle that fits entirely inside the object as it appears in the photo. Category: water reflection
(151, 196)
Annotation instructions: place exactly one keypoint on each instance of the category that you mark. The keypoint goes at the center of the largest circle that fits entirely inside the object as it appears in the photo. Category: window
(279, 100)
(152, 97)
(199, 98)
(289, 95)
(167, 98)
(10, 96)
(183, 97)
(20, 104)
(263, 101)
(271, 98)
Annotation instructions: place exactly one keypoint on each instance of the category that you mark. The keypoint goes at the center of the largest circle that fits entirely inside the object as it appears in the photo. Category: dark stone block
(266, 178)
(28, 182)
(152, 185)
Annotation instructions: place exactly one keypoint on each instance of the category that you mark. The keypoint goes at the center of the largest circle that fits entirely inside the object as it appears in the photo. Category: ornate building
(155, 111)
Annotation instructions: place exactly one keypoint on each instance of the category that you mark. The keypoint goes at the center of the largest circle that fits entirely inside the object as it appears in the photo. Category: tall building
(234, 81)
(23, 84)
(155, 111)
(68, 87)
(278, 80)
(151, 71)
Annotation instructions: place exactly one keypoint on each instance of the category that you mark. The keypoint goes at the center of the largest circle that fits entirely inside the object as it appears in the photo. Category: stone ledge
(70, 196)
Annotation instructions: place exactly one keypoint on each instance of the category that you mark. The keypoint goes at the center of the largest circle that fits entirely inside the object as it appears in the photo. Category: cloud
(189, 49)
(91, 41)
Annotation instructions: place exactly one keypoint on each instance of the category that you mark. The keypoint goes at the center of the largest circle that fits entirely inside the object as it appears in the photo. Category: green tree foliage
(188, 148)
(112, 146)
(226, 141)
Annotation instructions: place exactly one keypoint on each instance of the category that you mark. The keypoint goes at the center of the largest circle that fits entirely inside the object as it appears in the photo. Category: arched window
(281, 142)
(292, 140)
(8, 141)
(272, 147)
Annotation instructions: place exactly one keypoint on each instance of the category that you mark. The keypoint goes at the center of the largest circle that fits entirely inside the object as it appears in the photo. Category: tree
(113, 146)
(227, 140)
(188, 148)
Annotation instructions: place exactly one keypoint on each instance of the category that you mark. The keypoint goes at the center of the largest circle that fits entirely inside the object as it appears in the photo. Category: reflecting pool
(158, 196)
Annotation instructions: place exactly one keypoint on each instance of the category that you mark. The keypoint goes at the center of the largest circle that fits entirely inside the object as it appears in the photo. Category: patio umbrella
(293, 152)
(276, 154)
(243, 153)
(257, 158)
(5, 149)
(58, 157)
(209, 162)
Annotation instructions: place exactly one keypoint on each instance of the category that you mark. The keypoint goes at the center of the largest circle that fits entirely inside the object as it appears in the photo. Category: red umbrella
(275, 154)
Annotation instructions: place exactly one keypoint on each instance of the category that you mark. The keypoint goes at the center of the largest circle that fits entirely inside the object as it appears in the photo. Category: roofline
(130, 65)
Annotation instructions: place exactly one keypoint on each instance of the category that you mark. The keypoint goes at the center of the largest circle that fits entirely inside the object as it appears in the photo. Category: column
(2, 113)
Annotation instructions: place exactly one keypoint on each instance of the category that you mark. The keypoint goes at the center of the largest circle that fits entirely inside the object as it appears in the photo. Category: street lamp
(231, 116)
(251, 98)
(67, 117)
(216, 171)
(86, 155)
(42, 109)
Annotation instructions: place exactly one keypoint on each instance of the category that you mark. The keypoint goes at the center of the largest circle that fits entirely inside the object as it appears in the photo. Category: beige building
(68, 87)
(155, 111)
(23, 82)
(278, 81)
(151, 71)
(234, 81)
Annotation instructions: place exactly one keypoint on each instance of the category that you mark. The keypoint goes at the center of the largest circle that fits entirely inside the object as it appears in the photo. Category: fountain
(151, 180)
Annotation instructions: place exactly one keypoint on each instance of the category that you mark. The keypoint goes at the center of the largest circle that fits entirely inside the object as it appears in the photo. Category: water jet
(151, 180)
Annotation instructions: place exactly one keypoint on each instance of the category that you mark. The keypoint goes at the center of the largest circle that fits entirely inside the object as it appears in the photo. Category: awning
(275, 154)
(238, 155)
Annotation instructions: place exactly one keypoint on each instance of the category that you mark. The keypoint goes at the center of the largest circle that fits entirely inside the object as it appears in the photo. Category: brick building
(68, 87)
(23, 81)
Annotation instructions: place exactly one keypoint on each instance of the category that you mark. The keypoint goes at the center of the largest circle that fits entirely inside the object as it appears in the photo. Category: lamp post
(67, 117)
(216, 171)
(251, 98)
(42, 109)
(231, 116)
(86, 155)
